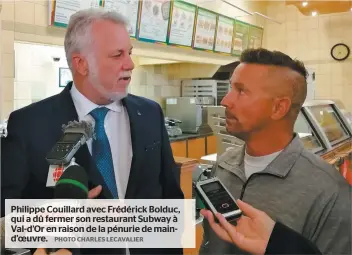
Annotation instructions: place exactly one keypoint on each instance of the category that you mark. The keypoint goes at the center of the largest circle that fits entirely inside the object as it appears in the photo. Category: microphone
(200, 173)
(75, 135)
(73, 184)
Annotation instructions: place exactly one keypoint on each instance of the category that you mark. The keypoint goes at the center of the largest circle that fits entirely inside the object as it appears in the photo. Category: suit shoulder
(143, 101)
(35, 109)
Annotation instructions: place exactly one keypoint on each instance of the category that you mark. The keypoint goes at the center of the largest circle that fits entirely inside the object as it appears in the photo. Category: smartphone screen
(219, 197)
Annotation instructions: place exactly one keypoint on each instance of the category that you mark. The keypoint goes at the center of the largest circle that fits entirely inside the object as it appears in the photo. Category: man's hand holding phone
(252, 232)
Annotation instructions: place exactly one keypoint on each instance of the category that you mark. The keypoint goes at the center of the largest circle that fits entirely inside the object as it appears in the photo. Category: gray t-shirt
(298, 189)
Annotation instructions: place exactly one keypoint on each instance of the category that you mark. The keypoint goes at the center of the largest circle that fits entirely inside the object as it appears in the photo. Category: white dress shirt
(117, 128)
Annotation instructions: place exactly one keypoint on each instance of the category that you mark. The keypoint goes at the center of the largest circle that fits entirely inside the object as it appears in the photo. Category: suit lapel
(65, 112)
(135, 114)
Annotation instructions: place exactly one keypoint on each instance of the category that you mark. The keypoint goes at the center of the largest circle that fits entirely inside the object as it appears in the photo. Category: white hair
(78, 34)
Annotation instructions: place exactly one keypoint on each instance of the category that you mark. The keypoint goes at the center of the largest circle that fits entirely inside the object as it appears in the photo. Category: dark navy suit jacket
(33, 130)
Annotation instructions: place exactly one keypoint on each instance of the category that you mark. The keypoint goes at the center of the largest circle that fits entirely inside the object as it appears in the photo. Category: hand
(93, 193)
(252, 232)
(41, 251)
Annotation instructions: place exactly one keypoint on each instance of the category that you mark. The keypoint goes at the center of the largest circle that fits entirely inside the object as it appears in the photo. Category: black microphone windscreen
(73, 184)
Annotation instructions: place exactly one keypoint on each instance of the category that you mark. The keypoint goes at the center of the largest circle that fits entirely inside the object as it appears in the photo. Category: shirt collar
(285, 161)
(260, 160)
(84, 106)
(280, 166)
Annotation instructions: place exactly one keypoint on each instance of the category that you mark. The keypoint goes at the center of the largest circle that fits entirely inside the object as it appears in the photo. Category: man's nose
(128, 65)
(226, 102)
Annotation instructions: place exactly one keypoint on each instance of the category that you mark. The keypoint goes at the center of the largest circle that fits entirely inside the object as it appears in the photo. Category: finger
(216, 227)
(40, 251)
(235, 234)
(204, 212)
(93, 193)
(236, 237)
(248, 210)
(231, 229)
(62, 252)
(240, 239)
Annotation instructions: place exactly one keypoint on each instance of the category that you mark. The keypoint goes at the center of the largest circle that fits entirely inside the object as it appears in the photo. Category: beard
(94, 79)
(245, 132)
(242, 135)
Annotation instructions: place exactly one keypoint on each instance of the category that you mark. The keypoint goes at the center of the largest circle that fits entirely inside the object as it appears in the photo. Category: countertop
(211, 158)
(188, 136)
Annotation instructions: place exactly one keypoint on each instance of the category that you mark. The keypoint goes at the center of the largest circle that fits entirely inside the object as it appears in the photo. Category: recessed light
(305, 3)
(314, 13)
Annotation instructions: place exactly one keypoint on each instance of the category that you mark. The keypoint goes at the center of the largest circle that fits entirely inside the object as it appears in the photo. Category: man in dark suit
(131, 156)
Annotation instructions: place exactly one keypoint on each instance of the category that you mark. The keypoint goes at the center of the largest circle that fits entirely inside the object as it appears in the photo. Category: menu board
(224, 33)
(65, 8)
(154, 20)
(255, 37)
(127, 8)
(240, 40)
(205, 30)
(182, 23)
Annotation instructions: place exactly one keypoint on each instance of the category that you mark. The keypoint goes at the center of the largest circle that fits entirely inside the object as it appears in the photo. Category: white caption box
(137, 223)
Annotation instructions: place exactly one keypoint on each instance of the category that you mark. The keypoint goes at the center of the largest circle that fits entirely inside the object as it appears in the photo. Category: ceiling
(321, 7)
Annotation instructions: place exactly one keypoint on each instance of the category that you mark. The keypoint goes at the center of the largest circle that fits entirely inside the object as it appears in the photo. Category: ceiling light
(314, 13)
(305, 3)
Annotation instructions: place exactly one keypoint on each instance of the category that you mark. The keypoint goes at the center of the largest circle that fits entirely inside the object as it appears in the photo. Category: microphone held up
(75, 135)
(61, 156)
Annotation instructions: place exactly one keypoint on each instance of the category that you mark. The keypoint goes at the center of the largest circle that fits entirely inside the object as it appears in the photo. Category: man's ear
(281, 107)
(80, 64)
